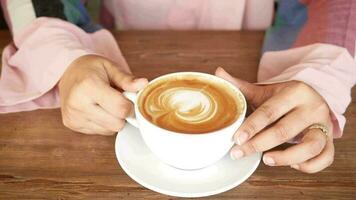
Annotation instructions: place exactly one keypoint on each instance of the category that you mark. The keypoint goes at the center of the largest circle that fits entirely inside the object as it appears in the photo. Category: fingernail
(143, 80)
(242, 138)
(268, 161)
(295, 166)
(140, 83)
(223, 70)
(236, 154)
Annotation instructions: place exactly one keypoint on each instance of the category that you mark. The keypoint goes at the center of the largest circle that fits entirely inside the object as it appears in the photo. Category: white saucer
(142, 166)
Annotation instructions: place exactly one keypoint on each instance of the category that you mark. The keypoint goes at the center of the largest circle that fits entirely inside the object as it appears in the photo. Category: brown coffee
(190, 104)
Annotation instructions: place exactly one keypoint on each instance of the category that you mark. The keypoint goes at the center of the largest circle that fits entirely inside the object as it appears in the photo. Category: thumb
(124, 80)
(253, 93)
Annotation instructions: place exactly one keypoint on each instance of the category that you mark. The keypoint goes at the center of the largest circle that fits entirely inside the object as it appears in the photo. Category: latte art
(189, 105)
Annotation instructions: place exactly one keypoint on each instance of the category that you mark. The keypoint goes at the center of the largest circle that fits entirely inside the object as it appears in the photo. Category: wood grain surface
(41, 159)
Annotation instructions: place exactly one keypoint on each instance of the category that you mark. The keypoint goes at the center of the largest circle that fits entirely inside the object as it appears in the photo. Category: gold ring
(321, 127)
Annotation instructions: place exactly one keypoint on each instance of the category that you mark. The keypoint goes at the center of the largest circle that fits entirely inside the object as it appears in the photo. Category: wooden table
(41, 159)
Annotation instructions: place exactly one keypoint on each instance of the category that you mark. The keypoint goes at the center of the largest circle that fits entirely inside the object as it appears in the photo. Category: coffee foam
(190, 104)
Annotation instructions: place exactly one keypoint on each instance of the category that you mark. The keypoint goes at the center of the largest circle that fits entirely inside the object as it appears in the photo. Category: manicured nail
(236, 154)
(242, 138)
(268, 161)
(140, 80)
(295, 166)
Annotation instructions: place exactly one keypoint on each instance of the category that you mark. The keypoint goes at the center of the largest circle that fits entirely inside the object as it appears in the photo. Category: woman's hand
(89, 101)
(282, 112)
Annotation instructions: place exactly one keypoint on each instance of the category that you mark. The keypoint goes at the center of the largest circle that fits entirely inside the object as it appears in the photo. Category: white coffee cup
(186, 151)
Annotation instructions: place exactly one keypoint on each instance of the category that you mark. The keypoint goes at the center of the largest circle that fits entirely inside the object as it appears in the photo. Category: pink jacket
(43, 48)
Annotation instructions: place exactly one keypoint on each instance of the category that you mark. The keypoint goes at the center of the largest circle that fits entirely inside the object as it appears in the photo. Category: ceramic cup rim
(230, 85)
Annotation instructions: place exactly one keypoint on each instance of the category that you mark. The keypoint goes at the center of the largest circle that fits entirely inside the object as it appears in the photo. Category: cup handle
(132, 96)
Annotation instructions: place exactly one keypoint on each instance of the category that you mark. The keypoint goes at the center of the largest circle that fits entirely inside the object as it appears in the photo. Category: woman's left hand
(282, 112)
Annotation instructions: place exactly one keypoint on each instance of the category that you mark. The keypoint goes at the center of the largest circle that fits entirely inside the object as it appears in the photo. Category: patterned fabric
(304, 22)
(290, 17)
(76, 13)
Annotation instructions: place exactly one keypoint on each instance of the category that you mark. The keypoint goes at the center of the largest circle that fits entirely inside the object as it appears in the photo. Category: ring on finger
(324, 129)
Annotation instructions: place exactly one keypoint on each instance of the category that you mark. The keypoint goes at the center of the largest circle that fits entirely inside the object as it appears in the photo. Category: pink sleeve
(329, 69)
(323, 58)
(36, 59)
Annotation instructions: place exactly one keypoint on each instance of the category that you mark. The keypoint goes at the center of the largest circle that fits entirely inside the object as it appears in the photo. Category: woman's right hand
(90, 100)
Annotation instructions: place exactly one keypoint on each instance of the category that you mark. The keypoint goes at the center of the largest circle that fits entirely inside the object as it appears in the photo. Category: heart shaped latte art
(189, 105)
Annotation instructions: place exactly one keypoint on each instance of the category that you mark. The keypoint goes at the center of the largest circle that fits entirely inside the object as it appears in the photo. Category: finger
(91, 128)
(252, 92)
(77, 120)
(112, 101)
(104, 119)
(266, 114)
(285, 129)
(124, 80)
(320, 162)
(312, 144)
